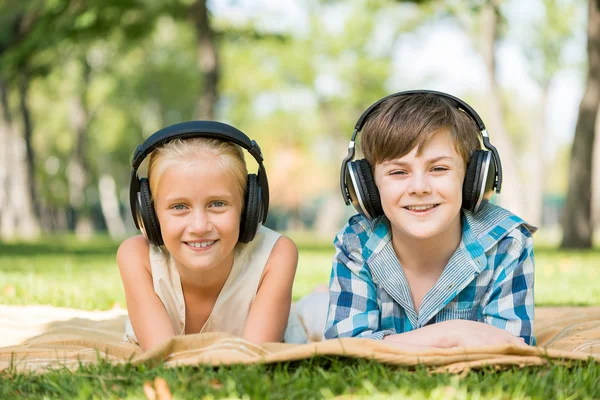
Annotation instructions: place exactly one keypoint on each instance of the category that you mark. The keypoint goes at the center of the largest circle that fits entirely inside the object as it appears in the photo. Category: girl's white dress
(233, 303)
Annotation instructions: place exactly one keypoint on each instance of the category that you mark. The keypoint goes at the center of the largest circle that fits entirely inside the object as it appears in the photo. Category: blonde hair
(228, 154)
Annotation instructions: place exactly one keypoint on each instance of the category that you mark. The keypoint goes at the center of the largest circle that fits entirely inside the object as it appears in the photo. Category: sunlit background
(83, 83)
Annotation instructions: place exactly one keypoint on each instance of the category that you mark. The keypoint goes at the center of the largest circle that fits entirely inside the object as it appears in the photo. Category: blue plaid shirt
(489, 278)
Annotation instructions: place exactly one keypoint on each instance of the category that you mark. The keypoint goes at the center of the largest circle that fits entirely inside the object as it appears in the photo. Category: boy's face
(422, 194)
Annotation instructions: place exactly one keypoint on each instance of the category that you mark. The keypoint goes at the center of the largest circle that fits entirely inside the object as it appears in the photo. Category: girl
(192, 271)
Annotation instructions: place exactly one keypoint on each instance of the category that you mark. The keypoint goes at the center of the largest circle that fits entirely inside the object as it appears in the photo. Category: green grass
(314, 378)
(63, 272)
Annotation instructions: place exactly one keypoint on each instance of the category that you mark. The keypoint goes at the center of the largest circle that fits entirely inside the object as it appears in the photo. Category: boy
(428, 261)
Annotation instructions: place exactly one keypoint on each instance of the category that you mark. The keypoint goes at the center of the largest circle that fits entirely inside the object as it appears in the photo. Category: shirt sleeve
(510, 302)
(353, 307)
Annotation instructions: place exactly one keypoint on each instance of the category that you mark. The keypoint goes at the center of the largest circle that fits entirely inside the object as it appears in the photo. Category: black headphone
(483, 175)
(257, 192)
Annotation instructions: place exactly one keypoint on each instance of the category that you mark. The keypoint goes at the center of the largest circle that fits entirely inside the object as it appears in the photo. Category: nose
(199, 222)
(419, 184)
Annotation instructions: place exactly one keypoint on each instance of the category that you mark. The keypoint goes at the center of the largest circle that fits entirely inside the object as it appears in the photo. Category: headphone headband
(190, 129)
(460, 104)
(183, 130)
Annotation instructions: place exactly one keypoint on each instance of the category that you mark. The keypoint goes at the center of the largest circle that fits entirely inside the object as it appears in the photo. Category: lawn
(63, 272)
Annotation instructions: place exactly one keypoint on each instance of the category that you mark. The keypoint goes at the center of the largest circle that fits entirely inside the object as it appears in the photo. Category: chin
(201, 268)
(204, 266)
(423, 233)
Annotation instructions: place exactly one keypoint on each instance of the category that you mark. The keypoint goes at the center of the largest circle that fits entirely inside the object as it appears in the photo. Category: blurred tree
(596, 178)
(484, 23)
(78, 170)
(103, 75)
(544, 49)
(308, 90)
(33, 48)
(208, 60)
(16, 210)
(21, 210)
(577, 222)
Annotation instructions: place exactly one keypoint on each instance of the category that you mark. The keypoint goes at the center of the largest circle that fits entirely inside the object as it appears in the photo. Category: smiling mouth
(421, 208)
(201, 245)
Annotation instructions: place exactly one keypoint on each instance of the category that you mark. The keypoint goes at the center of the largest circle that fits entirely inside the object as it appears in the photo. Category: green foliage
(35, 29)
(292, 89)
(547, 40)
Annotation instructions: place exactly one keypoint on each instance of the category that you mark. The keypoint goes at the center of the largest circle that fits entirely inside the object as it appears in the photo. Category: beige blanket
(570, 333)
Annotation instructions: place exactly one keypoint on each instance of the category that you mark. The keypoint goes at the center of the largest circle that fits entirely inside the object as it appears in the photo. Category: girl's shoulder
(134, 253)
(268, 247)
(281, 262)
(285, 246)
(273, 242)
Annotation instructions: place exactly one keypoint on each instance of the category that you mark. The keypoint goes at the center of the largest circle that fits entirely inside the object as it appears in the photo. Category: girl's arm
(147, 314)
(270, 310)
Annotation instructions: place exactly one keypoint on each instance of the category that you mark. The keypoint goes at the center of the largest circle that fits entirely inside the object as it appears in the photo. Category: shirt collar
(480, 232)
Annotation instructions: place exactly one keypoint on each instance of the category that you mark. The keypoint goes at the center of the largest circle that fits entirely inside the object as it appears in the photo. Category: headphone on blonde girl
(256, 198)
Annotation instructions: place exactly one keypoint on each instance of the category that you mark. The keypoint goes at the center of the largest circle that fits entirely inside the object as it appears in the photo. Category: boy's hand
(455, 333)
(462, 333)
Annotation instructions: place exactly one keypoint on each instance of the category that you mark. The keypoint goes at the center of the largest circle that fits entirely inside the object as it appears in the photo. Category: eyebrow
(429, 161)
(174, 199)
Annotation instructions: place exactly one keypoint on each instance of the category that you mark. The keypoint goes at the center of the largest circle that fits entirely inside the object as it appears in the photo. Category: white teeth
(203, 244)
(421, 208)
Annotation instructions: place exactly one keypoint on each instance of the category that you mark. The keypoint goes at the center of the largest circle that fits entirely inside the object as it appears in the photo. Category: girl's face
(199, 208)
(422, 194)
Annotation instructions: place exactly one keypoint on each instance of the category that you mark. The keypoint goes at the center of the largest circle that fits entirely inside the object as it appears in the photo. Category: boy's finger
(519, 341)
(149, 391)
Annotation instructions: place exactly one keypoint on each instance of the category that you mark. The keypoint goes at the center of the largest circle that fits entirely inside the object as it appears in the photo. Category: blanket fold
(569, 333)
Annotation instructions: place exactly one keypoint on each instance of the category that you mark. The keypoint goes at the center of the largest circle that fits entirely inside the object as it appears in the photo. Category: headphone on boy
(483, 175)
(257, 192)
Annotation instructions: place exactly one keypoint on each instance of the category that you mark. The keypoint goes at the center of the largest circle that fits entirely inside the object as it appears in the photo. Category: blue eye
(219, 203)
(178, 207)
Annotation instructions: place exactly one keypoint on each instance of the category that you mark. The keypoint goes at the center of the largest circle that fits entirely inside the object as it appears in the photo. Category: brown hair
(228, 154)
(404, 122)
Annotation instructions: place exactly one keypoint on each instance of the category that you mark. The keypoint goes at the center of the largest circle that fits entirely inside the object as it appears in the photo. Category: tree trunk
(512, 196)
(78, 168)
(18, 217)
(208, 60)
(7, 213)
(329, 217)
(110, 206)
(596, 178)
(536, 163)
(28, 134)
(577, 222)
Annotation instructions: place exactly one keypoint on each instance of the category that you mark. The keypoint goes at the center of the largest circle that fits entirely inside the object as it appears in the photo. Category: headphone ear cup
(490, 180)
(151, 227)
(369, 191)
(251, 214)
(472, 183)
